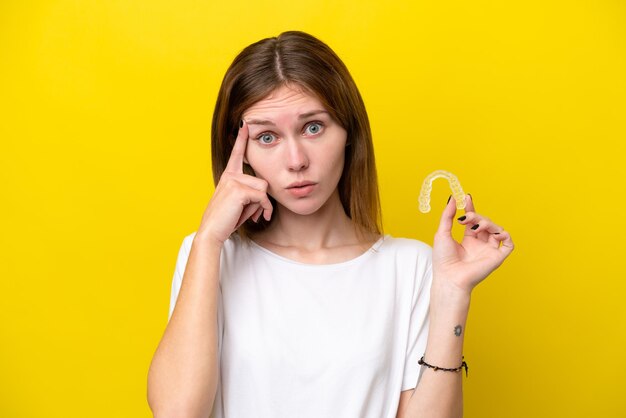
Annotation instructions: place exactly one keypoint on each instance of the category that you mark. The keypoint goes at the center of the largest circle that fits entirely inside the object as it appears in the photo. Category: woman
(309, 311)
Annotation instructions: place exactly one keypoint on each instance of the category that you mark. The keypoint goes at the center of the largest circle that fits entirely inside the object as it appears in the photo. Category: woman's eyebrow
(270, 123)
(259, 122)
(311, 113)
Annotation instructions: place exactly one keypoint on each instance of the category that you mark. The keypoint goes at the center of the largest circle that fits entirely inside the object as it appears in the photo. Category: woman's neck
(329, 228)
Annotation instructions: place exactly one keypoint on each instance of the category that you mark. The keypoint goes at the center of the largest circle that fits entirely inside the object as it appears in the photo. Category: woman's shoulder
(401, 244)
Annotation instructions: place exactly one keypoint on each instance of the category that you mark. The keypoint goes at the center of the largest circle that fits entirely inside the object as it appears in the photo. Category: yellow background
(105, 111)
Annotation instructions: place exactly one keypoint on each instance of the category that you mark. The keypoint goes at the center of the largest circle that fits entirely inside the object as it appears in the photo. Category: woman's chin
(300, 207)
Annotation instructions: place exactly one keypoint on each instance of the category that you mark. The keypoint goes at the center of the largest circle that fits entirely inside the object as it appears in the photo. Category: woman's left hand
(484, 247)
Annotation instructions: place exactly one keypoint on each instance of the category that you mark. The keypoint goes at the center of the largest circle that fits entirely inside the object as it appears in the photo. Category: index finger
(235, 161)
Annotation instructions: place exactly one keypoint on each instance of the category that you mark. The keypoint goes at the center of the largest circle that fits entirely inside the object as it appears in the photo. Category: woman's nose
(297, 157)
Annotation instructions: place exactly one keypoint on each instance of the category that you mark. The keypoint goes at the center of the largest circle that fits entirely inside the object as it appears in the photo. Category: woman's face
(297, 147)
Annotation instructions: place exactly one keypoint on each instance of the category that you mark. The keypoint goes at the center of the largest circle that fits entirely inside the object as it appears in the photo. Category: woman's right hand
(237, 197)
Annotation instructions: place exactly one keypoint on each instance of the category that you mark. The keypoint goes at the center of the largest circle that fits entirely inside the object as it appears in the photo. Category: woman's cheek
(256, 162)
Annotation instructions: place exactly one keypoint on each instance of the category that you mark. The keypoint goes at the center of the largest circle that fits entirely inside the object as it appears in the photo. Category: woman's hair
(297, 58)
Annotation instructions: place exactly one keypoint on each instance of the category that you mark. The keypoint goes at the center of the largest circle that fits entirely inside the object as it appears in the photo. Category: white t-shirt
(301, 340)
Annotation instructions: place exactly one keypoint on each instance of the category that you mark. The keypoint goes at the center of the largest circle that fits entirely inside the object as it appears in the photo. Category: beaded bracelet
(463, 365)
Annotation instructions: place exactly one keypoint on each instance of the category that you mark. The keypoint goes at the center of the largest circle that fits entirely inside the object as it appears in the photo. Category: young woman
(288, 301)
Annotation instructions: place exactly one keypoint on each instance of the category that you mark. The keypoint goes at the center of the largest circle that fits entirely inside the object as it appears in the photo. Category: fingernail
(241, 123)
(475, 227)
(470, 196)
(462, 218)
(449, 199)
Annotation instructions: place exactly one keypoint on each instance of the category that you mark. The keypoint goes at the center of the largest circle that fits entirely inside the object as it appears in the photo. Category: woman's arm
(439, 393)
(457, 269)
(182, 380)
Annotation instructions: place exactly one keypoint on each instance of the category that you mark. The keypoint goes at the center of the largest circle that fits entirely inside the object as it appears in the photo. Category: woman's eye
(313, 128)
(266, 138)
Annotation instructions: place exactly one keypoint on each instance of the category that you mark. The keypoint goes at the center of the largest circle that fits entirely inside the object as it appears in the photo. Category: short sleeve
(418, 324)
(179, 271)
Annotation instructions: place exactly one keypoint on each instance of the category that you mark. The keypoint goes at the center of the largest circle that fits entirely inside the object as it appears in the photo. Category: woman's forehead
(285, 101)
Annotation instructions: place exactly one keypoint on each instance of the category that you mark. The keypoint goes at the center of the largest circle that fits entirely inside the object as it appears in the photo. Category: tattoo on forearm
(457, 330)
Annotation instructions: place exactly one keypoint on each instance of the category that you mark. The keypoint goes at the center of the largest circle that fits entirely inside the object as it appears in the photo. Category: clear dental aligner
(427, 187)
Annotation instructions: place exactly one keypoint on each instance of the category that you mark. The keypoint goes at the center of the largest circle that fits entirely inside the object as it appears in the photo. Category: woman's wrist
(446, 294)
(449, 309)
(206, 238)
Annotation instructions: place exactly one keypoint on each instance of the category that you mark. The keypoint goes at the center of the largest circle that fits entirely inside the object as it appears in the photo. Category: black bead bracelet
(463, 365)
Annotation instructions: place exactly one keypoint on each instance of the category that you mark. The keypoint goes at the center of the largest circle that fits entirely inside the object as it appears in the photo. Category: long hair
(297, 58)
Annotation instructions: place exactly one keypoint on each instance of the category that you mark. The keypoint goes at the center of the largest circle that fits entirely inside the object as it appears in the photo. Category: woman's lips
(301, 189)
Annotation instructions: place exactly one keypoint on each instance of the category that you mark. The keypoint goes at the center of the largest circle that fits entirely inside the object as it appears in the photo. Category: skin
(293, 139)
(183, 374)
(457, 269)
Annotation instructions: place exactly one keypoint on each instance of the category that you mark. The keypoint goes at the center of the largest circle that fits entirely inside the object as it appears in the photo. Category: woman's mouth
(301, 188)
